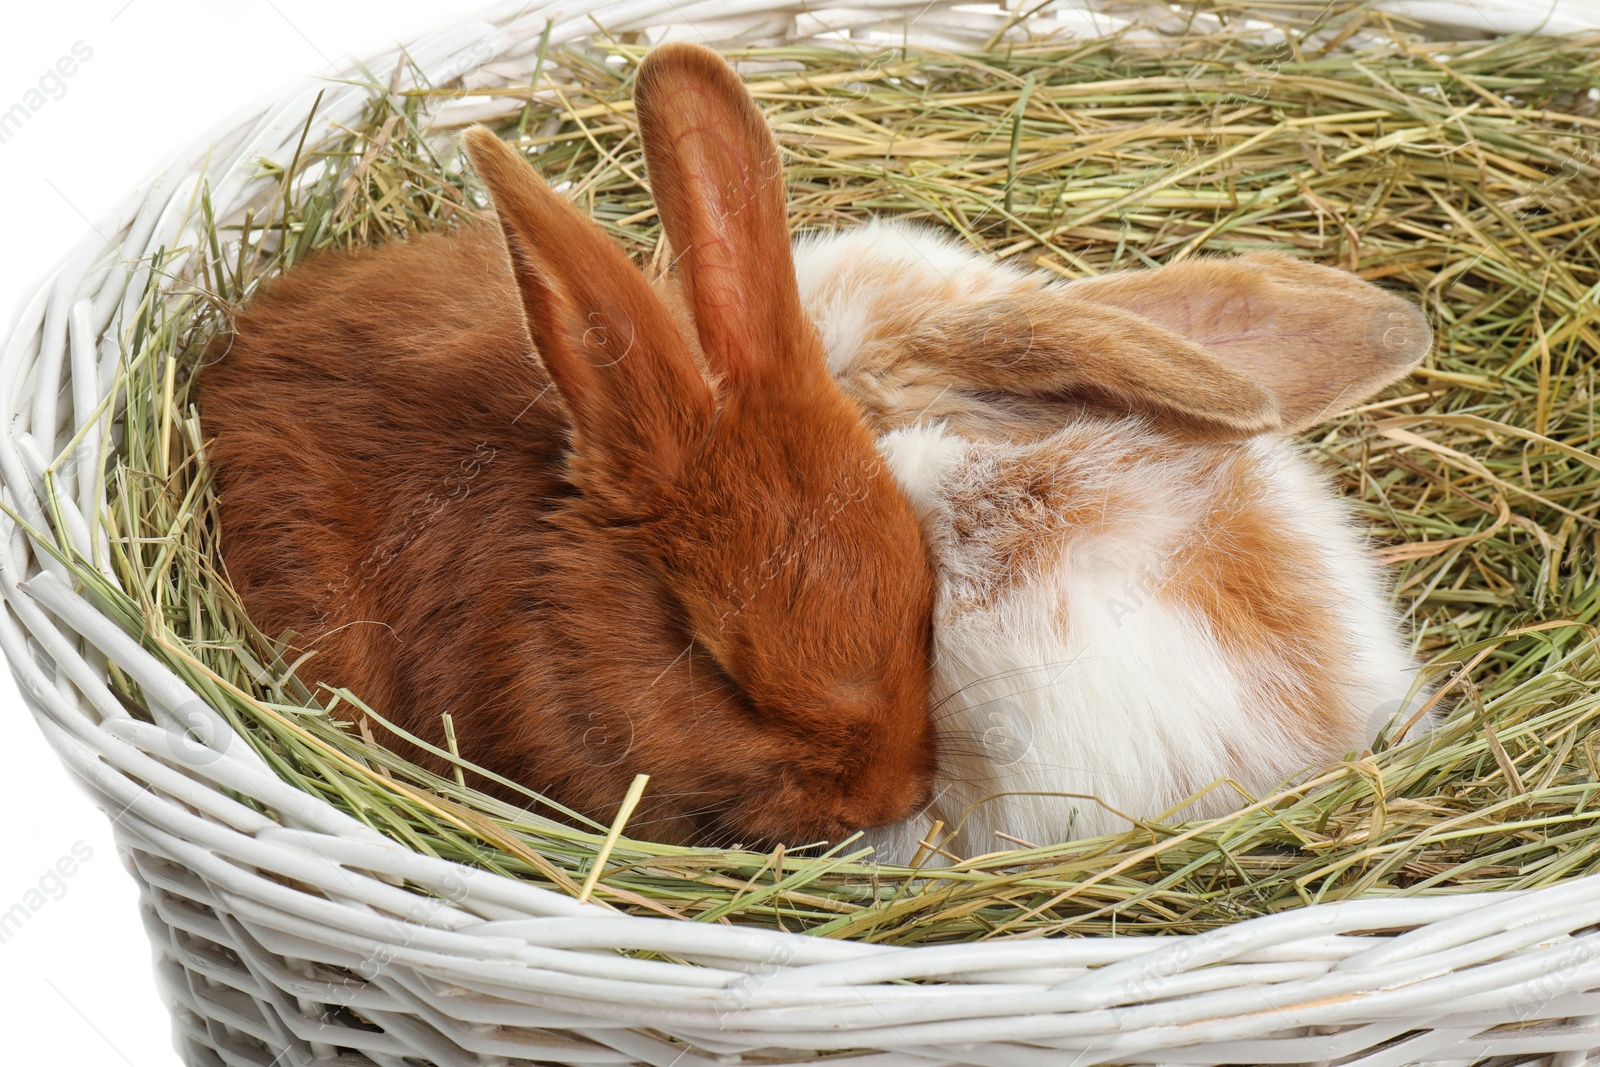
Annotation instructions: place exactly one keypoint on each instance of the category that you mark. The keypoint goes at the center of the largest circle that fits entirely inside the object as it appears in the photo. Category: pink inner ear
(1319, 339)
(1243, 331)
(727, 254)
(713, 280)
(608, 343)
(1239, 327)
(718, 182)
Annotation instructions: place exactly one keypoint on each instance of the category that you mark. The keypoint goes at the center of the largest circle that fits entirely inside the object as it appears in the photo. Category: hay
(1462, 173)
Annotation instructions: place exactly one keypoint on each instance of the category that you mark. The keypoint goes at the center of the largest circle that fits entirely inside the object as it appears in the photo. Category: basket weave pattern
(288, 939)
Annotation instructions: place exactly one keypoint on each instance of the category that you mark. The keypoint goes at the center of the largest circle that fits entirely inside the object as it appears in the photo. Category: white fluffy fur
(920, 259)
(1076, 677)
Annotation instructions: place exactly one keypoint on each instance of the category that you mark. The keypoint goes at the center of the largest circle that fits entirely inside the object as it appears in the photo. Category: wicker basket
(288, 940)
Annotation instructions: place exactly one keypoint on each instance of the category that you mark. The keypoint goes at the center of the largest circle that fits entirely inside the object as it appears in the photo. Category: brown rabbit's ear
(717, 180)
(610, 346)
(1046, 345)
(1319, 339)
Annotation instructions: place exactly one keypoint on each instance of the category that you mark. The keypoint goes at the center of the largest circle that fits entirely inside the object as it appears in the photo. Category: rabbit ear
(718, 182)
(1044, 344)
(610, 346)
(1319, 339)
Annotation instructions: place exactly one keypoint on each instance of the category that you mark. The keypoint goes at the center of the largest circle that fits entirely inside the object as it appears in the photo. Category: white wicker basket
(286, 940)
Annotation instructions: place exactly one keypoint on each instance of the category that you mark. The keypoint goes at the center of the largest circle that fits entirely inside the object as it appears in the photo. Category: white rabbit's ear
(1319, 339)
(1043, 345)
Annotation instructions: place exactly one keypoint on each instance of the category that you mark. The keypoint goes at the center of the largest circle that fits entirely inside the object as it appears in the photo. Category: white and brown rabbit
(1145, 588)
(608, 526)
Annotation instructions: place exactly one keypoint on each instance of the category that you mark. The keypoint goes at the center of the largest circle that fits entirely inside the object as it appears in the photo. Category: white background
(75, 981)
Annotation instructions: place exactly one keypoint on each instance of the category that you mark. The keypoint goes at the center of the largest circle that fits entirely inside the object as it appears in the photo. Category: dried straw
(1462, 173)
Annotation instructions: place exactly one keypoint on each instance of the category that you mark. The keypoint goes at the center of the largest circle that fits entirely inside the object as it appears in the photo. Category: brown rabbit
(608, 528)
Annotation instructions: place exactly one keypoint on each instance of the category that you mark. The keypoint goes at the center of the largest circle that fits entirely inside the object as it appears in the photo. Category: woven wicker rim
(312, 884)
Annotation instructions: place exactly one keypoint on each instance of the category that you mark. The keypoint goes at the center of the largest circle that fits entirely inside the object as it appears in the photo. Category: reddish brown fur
(1263, 591)
(597, 561)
